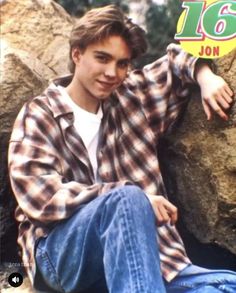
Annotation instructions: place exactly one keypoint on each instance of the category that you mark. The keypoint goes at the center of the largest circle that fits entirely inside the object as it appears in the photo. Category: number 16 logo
(207, 28)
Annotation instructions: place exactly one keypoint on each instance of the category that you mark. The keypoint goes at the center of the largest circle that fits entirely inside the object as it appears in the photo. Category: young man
(92, 208)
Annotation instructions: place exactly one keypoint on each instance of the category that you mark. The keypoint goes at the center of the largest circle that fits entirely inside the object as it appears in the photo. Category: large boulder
(40, 27)
(199, 161)
(34, 49)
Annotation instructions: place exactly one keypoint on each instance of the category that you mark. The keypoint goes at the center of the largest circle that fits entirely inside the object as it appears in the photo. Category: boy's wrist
(202, 71)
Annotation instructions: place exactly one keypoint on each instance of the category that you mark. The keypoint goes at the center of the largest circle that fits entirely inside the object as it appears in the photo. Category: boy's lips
(106, 84)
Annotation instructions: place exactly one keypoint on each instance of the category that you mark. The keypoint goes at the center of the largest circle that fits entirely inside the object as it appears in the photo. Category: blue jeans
(194, 279)
(109, 245)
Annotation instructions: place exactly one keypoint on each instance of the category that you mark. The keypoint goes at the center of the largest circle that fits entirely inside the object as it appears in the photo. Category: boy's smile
(99, 70)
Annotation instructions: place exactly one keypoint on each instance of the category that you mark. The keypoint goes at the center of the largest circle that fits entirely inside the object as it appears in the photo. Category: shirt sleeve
(181, 63)
(163, 87)
(37, 178)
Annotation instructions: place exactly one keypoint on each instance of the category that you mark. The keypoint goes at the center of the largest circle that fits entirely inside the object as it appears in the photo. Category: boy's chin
(104, 96)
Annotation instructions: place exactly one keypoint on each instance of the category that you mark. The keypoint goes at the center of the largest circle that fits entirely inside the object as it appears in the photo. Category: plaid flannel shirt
(49, 167)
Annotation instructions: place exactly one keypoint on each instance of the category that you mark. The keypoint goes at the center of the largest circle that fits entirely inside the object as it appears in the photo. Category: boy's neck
(90, 104)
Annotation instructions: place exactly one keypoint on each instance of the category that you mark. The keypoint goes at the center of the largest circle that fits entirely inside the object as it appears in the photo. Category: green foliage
(161, 21)
(79, 7)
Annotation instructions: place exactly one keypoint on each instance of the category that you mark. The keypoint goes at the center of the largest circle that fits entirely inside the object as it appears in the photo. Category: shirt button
(70, 117)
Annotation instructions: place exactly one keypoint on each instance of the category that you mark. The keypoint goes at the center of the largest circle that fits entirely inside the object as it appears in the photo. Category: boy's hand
(164, 210)
(215, 92)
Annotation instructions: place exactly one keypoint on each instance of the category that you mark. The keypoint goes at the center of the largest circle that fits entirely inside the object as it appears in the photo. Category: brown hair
(100, 23)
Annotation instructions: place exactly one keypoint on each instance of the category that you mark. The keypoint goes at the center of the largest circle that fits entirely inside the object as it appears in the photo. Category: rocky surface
(39, 27)
(34, 49)
(200, 161)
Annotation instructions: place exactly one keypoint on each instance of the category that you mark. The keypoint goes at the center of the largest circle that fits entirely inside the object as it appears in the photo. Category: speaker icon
(15, 279)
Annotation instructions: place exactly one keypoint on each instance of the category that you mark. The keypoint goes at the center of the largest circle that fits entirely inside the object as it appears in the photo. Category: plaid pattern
(50, 171)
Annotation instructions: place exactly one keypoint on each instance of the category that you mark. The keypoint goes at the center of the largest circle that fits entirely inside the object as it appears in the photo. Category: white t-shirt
(87, 125)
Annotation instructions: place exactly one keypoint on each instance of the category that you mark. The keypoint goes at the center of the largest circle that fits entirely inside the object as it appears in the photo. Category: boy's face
(101, 68)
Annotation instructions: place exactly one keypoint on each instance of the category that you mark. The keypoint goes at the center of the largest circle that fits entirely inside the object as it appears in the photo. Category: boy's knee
(131, 195)
(130, 190)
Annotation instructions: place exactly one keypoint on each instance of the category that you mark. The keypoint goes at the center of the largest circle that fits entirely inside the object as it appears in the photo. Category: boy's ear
(75, 54)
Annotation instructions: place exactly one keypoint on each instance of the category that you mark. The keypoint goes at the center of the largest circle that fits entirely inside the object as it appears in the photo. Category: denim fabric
(195, 279)
(109, 245)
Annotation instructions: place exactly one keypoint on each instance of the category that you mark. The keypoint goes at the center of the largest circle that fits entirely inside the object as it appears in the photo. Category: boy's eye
(102, 58)
(123, 64)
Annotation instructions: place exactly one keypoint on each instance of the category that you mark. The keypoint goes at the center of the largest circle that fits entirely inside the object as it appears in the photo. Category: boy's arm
(215, 92)
(163, 88)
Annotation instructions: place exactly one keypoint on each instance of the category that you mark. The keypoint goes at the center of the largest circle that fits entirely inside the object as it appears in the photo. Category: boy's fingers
(229, 91)
(206, 110)
(159, 219)
(172, 211)
(164, 210)
(213, 104)
(165, 217)
(223, 102)
(227, 96)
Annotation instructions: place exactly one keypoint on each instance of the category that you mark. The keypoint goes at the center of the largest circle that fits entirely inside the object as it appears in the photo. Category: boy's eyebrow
(110, 56)
(102, 52)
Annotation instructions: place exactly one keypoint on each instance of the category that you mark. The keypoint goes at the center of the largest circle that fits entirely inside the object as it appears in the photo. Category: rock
(41, 27)
(200, 164)
(34, 49)
(23, 75)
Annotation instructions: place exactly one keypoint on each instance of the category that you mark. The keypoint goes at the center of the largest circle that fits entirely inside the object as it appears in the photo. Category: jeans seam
(50, 267)
(196, 285)
(135, 263)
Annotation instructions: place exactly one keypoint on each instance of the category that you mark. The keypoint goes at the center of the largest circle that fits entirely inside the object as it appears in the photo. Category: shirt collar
(58, 105)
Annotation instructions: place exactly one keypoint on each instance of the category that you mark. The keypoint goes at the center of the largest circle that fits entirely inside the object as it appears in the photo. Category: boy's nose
(110, 71)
